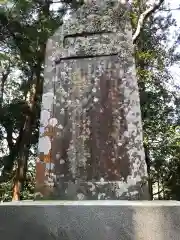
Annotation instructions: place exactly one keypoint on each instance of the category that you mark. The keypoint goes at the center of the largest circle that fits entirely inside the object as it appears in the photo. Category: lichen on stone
(91, 107)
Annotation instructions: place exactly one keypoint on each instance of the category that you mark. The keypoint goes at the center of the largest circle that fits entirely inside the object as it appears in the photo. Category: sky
(175, 70)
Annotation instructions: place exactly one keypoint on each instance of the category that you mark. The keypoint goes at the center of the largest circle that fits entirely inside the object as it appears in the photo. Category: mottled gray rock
(90, 143)
(98, 220)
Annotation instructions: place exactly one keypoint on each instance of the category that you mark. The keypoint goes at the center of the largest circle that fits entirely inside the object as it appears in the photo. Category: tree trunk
(159, 196)
(36, 91)
(148, 163)
(20, 176)
(3, 81)
(25, 144)
(23, 155)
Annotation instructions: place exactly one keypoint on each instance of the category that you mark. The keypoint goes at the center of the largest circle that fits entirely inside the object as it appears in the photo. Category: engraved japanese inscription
(90, 144)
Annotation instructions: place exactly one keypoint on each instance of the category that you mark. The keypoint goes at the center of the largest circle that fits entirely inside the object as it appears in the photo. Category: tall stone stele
(90, 144)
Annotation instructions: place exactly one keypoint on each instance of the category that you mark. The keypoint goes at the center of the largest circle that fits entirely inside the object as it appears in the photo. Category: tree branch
(169, 10)
(158, 192)
(143, 18)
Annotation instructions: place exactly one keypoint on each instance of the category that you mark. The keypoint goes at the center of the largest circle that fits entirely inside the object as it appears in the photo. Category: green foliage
(160, 110)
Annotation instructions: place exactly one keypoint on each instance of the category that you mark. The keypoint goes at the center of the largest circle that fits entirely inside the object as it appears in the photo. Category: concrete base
(90, 220)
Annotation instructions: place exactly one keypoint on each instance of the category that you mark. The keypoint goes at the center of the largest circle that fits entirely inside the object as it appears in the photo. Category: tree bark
(148, 163)
(143, 18)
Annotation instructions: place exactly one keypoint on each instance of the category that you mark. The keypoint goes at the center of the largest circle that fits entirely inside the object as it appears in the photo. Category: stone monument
(91, 141)
(90, 144)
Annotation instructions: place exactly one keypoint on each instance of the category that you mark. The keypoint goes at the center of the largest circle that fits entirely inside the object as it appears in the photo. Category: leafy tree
(159, 111)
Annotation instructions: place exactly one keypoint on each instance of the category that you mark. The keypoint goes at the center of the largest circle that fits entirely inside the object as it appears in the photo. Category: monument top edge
(157, 203)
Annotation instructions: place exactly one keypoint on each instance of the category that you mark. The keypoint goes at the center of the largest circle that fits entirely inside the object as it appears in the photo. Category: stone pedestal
(90, 220)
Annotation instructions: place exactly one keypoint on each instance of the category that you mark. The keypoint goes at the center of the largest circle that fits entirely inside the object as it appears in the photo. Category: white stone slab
(90, 220)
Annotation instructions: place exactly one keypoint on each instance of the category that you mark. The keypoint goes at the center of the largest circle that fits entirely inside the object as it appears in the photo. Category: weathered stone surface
(91, 135)
(98, 220)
